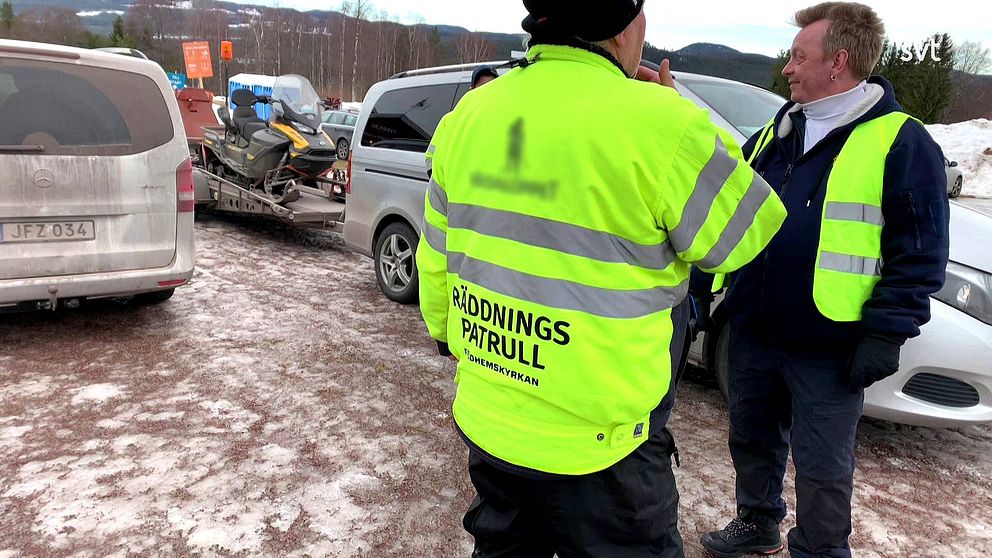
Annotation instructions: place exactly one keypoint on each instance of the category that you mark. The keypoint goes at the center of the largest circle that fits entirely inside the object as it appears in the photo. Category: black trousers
(778, 397)
(629, 510)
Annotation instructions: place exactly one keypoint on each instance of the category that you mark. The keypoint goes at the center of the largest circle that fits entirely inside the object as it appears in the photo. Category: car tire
(343, 149)
(395, 263)
(956, 190)
(721, 360)
(154, 297)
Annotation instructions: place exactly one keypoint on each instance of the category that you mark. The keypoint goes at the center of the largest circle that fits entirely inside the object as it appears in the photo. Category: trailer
(314, 208)
(313, 202)
(196, 108)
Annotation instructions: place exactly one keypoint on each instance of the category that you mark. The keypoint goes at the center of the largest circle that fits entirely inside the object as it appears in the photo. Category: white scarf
(827, 114)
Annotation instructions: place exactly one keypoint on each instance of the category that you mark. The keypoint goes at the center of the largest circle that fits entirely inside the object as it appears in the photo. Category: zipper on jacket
(785, 181)
(917, 237)
(797, 147)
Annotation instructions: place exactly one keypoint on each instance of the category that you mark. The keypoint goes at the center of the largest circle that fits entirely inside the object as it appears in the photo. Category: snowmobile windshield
(296, 94)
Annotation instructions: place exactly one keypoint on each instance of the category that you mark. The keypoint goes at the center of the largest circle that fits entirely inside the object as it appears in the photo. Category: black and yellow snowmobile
(272, 158)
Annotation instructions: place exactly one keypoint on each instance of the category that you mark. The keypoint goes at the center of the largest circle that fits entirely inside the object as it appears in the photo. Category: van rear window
(405, 119)
(71, 109)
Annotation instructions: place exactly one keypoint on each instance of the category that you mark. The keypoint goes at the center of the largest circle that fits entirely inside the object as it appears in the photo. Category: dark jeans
(778, 395)
(629, 510)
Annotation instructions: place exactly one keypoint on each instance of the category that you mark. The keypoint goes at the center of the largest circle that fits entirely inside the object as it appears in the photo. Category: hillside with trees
(344, 51)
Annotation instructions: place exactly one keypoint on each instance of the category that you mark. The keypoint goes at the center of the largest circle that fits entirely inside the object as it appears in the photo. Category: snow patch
(970, 144)
(95, 13)
(148, 417)
(96, 393)
(110, 424)
(25, 489)
(274, 457)
(29, 388)
(12, 432)
(240, 419)
(331, 509)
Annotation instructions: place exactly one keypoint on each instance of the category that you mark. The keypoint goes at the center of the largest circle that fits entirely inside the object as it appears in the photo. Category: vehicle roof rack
(446, 69)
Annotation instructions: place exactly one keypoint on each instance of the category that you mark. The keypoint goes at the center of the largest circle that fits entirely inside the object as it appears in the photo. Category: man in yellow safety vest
(565, 206)
(822, 313)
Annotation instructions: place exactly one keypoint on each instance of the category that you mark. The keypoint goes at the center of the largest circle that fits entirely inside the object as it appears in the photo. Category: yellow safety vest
(849, 255)
(558, 235)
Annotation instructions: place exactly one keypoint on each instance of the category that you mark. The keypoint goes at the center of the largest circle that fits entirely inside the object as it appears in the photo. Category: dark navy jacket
(773, 295)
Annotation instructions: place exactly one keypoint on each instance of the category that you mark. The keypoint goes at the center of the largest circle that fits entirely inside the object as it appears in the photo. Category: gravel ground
(281, 406)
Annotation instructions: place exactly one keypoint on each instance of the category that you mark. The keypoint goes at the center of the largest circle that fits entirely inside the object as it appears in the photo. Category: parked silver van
(388, 176)
(96, 186)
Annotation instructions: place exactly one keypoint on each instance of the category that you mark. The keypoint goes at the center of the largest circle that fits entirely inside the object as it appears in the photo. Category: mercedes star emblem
(43, 178)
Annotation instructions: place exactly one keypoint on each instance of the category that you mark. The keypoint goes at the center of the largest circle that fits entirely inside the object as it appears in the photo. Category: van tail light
(185, 194)
(347, 182)
(172, 283)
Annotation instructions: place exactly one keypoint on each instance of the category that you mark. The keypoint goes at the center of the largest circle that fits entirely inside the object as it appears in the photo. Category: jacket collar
(571, 54)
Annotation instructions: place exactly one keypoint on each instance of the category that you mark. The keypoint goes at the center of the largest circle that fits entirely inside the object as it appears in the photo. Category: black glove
(875, 358)
(442, 349)
(700, 320)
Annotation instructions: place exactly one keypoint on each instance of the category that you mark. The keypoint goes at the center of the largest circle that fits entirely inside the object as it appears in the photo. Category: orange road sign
(197, 56)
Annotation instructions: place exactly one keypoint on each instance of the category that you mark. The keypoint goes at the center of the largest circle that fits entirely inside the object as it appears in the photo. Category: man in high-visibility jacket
(822, 314)
(565, 206)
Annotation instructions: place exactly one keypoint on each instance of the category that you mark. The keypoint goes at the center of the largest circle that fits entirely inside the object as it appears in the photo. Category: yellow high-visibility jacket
(565, 207)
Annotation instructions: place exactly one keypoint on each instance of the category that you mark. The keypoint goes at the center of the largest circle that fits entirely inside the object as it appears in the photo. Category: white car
(96, 185)
(945, 377)
(955, 178)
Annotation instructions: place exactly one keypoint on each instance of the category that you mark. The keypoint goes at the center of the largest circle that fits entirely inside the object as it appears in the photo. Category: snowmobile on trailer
(275, 160)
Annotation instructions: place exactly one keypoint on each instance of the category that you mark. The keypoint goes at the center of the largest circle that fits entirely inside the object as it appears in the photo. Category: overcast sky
(760, 27)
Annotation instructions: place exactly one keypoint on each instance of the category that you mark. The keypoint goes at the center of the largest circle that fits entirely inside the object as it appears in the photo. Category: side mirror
(953, 164)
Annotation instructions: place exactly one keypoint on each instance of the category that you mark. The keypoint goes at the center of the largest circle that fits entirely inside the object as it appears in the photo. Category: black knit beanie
(589, 20)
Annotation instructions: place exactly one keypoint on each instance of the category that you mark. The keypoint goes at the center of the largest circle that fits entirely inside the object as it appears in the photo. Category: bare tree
(257, 27)
(972, 58)
(56, 24)
(416, 42)
(412, 44)
(359, 10)
(155, 14)
(395, 48)
(278, 25)
(378, 16)
(345, 10)
(472, 47)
